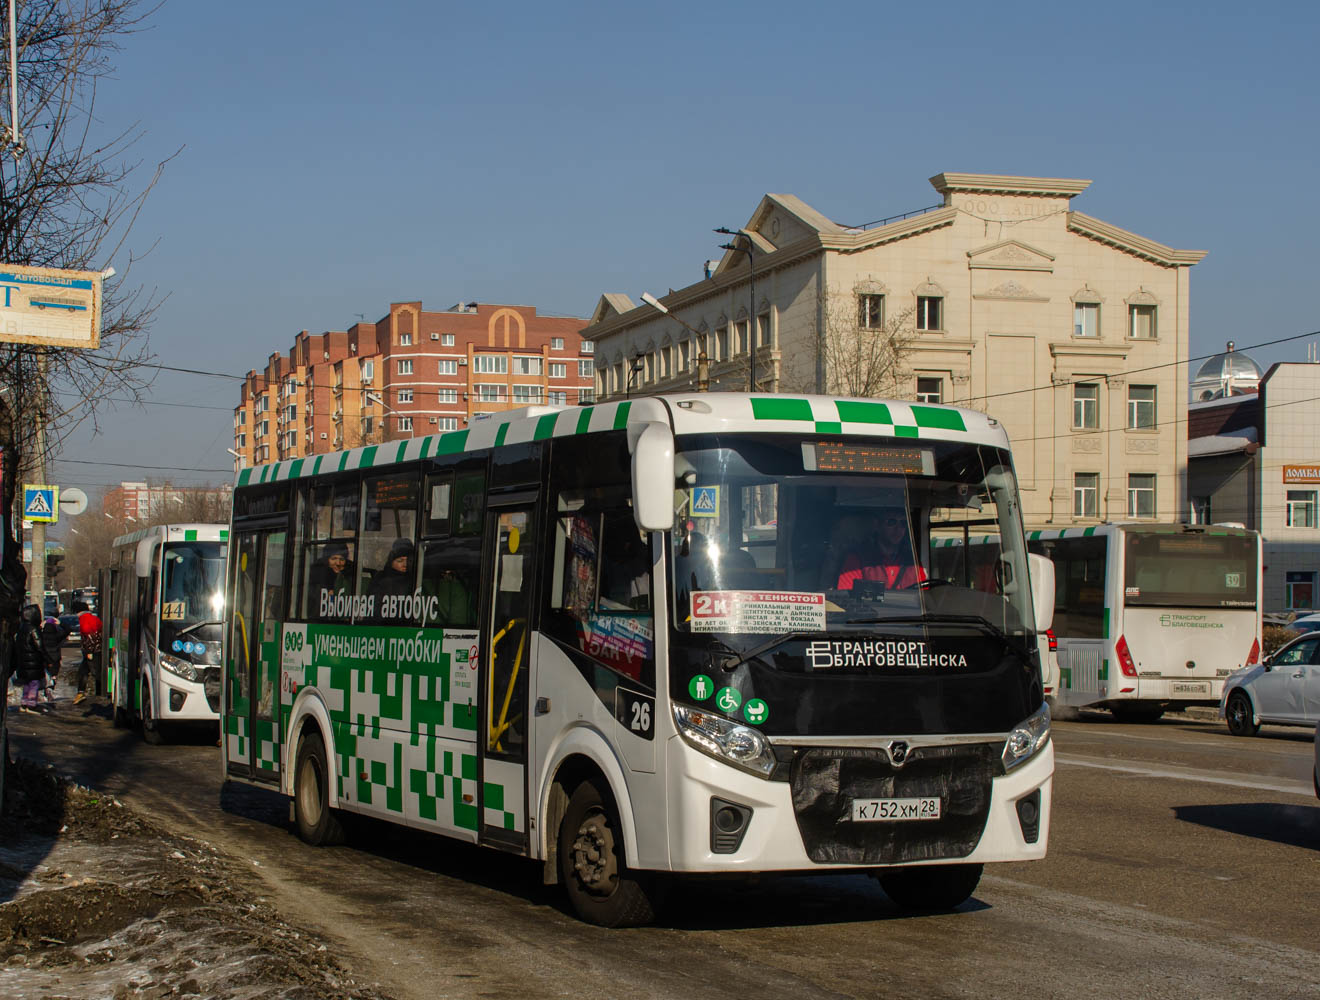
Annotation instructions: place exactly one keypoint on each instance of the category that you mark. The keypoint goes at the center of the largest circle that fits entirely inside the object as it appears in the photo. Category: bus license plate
(1191, 687)
(895, 810)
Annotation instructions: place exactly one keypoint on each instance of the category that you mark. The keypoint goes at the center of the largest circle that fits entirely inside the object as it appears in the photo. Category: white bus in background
(629, 640)
(162, 624)
(1151, 617)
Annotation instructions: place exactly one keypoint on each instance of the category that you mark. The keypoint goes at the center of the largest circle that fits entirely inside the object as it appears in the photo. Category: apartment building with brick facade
(414, 372)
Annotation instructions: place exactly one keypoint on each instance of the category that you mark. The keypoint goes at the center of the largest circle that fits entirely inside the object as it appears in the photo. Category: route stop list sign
(47, 305)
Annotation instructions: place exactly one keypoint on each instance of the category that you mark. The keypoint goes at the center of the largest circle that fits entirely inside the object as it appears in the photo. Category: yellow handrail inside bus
(499, 728)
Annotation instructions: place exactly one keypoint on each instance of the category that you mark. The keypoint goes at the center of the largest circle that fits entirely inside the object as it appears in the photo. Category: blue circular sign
(178, 646)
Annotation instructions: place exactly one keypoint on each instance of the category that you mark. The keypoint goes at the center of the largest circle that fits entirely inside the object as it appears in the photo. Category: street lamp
(703, 365)
(373, 397)
(238, 458)
(634, 367)
(751, 312)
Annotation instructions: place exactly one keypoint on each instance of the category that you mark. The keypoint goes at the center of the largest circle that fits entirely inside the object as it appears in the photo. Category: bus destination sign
(47, 305)
(852, 456)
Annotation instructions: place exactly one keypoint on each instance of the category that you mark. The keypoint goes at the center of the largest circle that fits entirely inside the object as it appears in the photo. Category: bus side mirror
(653, 477)
(1041, 571)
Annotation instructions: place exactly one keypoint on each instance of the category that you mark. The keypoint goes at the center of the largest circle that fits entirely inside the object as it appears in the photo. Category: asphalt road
(1182, 863)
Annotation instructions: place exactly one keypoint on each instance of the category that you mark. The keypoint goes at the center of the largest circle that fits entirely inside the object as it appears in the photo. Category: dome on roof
(1226, 374)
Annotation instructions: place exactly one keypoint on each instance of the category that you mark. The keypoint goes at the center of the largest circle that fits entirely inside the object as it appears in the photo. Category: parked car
(1305, 623)
(70, 624)
(1284, 689)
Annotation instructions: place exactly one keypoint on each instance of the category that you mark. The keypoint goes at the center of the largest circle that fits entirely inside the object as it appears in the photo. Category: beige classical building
(1069, 330)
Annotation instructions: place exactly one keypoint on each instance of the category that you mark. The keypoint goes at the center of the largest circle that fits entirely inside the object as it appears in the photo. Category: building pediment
(1011, 255)
(611, 304)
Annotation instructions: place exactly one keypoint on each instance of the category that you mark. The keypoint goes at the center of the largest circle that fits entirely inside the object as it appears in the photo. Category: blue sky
(339, 156)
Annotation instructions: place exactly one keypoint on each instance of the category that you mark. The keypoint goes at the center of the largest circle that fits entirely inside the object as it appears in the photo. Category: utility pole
(37, 573)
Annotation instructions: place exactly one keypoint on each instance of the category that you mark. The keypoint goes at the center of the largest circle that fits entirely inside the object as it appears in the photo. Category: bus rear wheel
(600, 887)
(930, 888)
(316, 821)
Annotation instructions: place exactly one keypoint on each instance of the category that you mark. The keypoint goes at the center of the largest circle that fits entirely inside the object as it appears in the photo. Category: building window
(405, 423)
(740, 337)
(721, 344)
(588, 347)
(526, 394)
(1301, 509)
(1141, 494)
(930, 389)
(447, 396)
(448, 367)
(242, 440)
(558, 369)
(404, 396)
(1086, 494)
(684, 355)
(1086, 319)
(446, 423)
(405, 366)
(1299, 591)
(586, 395)
(1141, 322)
(491, 364)
(1200, 510)
(586, 369)
(763, 330)
(556, 343)
(1141, 407)
(368, 425)
(557, 398)
(930, 312)
(242, 418)
(871, 311)
(368, 372)
(527, 366)
(487, 393)
(446, 340)
(1086, 406)
(405, 340)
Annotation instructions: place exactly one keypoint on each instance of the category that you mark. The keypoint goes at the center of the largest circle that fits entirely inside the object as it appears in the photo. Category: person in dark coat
(53, 635)
(30, 658)
(394, 580)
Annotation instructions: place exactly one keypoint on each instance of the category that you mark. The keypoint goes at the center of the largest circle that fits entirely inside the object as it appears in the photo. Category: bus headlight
(725, 740)
(178, 667)
(1027, 738)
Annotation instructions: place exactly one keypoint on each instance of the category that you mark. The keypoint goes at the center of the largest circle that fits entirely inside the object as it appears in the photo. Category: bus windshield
(1177, 569)
(779, 535)
(192, 599)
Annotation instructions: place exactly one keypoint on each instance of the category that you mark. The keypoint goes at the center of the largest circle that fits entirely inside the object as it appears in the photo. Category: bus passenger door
(507, 646)
(252, 701)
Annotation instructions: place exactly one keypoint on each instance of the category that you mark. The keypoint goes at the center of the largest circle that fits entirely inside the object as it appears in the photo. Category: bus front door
(507, 650)
(252, 701)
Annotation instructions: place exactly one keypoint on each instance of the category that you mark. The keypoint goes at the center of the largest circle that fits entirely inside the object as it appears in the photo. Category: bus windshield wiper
(979, 621)
(196, 625)
(738, 659)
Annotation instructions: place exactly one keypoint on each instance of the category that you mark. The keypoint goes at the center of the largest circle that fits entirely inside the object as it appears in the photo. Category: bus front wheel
(151, 728)
(930, 888)
(600, 887)
(316, 821)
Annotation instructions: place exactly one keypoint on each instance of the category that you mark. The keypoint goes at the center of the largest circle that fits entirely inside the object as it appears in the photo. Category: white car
(1305, 623)
(1284, 689)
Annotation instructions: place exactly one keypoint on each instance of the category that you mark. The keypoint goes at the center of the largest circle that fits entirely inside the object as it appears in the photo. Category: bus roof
(690, 413)
(177, 533)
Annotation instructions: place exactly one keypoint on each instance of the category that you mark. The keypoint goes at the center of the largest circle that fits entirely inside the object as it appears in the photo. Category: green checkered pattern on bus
(238, 745)
(390, 690)
(821, 415)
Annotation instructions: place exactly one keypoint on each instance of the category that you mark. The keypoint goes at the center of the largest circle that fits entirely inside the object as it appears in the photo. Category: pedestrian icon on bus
(728, 699)
(701, 687)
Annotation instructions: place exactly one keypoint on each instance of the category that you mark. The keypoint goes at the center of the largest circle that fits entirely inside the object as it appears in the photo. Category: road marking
(1188, 774)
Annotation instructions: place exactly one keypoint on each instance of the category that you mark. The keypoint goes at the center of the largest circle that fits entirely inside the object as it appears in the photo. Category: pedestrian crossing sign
(705, 501)
(41, 503)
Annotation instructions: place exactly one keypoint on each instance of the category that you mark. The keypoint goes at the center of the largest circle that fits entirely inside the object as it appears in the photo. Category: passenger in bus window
(394, 580)
(330, 576)
(452, 606)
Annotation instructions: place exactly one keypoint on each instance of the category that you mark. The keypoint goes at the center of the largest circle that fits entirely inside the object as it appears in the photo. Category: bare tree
(863, 353)
(69, 202)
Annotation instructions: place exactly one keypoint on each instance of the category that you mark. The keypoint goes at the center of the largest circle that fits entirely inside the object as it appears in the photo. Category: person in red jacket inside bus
(877, 550)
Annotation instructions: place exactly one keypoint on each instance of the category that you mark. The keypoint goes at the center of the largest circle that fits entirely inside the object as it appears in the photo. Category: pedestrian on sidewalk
(30, 658)
(89, 638)
(53, 635)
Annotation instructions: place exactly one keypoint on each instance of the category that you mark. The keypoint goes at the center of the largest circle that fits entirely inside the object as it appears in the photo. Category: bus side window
(326, 541)
(450, 571)
(387, 561)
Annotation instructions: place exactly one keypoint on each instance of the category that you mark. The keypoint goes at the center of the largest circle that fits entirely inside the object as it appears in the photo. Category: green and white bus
(1152, 617)
(163, 619)
(637, 639)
